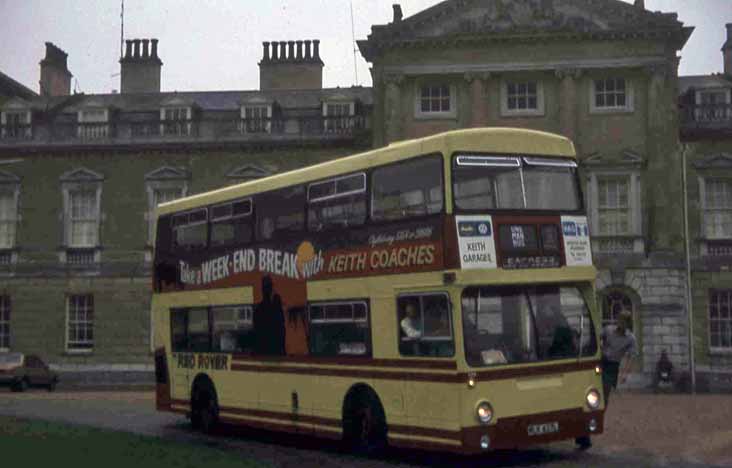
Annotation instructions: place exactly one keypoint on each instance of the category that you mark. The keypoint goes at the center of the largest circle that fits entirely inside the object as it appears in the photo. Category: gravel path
(642, 430)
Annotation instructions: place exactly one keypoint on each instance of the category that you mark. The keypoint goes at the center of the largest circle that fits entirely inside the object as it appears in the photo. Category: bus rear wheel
(364, 424)
(204, 409)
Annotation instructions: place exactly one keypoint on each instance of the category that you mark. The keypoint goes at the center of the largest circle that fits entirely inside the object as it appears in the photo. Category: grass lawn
(48, 444)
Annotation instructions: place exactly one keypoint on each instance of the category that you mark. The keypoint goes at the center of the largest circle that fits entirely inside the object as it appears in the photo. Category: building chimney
(154, 48)
(398, 12)
(55, 75)
(316, 49)
(291, 68)
(727, 51)
(308, 55)
(299, 50)
(641, 4)
(140, 69)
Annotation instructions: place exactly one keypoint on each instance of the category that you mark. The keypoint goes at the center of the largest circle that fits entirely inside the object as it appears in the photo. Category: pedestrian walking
(619, 347)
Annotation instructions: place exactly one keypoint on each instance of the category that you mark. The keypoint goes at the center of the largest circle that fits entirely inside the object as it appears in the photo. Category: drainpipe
(690, 314)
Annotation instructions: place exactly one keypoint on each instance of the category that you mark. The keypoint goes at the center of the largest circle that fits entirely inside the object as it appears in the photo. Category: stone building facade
(81, 175)
(602, 72)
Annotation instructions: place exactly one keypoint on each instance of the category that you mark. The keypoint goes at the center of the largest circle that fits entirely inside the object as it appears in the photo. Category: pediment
(81, 174)
(8, 178)
(16, 104)
(715, 161)
(471, 17)
(255, 101)
(624, 158)
(177, 101)
(248, 172)
(93, 103)
(167, 173)
(338, 97)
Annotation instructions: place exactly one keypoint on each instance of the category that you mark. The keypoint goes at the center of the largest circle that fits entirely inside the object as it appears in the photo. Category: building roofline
(22, 90)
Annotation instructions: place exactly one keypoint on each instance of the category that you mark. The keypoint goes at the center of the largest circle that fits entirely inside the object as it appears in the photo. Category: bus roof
(487, 140)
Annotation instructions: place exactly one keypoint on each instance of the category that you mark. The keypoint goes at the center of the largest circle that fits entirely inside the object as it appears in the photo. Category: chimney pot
(398, 12)
(316, 49)
(274, 51)
(299, 50)
(290, 50)
(265, 51)
(283, 51)
(145, 48)
(308, 55)
(128, 50)
(640, 4)
(136, 43)
(154, 48)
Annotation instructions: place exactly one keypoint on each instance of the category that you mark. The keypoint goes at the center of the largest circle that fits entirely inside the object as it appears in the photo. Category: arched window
(613, 303)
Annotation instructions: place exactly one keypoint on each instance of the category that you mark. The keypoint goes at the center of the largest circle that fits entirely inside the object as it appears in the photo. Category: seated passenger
(410, 324)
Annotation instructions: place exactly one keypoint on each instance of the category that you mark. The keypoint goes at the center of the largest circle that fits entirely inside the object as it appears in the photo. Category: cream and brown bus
(435, 294)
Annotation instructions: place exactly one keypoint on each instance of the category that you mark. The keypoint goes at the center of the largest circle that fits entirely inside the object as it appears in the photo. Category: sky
(216, 45)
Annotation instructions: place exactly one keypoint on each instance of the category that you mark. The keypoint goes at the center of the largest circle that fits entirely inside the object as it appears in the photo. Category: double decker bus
(434, 294)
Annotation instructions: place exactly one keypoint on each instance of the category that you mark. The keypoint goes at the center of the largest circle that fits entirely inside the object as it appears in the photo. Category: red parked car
(21, 372)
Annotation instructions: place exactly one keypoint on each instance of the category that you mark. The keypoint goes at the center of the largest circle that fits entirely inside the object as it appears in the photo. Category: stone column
(568, 101)
(478, 98)
(392, 108)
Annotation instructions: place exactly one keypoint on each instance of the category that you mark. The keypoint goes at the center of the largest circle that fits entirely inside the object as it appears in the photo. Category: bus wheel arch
(364, 420)
(204, 404)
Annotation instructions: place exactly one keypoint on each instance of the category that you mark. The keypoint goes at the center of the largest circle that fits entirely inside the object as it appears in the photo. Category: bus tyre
(204, 409)
(365, 425)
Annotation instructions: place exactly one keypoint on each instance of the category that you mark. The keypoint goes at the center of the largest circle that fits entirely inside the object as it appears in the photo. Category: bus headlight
(593, 399)
(484, 412)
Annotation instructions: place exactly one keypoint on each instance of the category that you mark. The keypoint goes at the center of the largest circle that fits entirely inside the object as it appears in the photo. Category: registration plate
(540, 429)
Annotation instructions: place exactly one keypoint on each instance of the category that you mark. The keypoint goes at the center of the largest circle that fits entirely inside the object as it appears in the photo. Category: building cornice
(552, 65)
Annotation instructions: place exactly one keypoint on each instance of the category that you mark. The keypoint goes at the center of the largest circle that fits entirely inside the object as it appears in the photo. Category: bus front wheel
(364, 424)
(204, 408)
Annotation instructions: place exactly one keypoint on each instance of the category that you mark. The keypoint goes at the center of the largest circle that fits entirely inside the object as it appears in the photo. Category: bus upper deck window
(407, 189)
(339, 202)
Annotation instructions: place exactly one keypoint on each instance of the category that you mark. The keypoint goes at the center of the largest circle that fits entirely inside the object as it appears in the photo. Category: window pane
(178, 320)
(321, 189)
(599, 100)
(280, 212)
(232, 329)
(412, 188)
(198, 330)
(334, 331)
(424, 326)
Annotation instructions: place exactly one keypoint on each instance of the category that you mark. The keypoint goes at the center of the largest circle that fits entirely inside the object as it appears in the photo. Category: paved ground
(643, 430)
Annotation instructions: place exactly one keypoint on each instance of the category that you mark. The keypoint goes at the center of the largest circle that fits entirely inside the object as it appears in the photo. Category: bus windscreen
(511, 182)
(511, 325)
